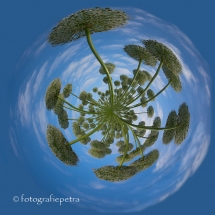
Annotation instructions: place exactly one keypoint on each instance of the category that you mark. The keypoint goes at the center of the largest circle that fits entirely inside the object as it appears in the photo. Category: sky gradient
(23, 22)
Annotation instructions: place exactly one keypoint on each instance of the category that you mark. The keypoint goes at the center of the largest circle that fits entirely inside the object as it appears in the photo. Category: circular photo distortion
(112, 107)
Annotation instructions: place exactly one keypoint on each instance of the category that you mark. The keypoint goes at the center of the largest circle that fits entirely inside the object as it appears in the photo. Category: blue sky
(22, 23)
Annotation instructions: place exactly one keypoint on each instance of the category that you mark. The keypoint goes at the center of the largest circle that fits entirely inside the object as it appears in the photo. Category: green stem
(110, 84)
(136, 140)
(153, 78)
(95, 103)
(139, 104)
(78, 110)
(74, 95)
(126, 138)
(150, 127)
(86, 135)
(138, 68)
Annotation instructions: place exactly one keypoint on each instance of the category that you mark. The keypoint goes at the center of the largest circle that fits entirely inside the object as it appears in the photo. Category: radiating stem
(150, 127)
(139, 104)
(110, 84)
(86, 135)
(138, 68)
(136, 140)
(73, 107)
(153, 78)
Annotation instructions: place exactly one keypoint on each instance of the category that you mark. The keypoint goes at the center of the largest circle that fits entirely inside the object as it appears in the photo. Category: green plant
(113, 114)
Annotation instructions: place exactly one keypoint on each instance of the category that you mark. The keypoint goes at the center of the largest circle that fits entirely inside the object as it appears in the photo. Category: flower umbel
(96, 19)
(112, 113)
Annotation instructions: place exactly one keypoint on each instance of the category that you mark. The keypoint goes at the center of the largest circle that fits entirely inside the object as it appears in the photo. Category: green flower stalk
(145, 162)
(168, 61)
(113, 114)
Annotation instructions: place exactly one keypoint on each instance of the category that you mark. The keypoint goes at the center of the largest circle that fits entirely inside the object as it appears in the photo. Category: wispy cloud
(39, 122)
(40, 48)
(64, 56)
(13, 141)
(97, 185)
(25, 99)
(39, 78)
(159, 110)
(113, 46)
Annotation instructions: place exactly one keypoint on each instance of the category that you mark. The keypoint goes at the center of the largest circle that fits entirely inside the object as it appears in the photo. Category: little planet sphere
(107, 108)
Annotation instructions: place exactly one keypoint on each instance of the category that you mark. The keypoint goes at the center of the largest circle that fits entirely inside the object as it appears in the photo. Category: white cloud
(75, 70)
(159, 110)
(121, 71)
(40, 48)
(113, 46)
(185, 68)
(88, 83)
(13, 141)
(96, 185)
(64, 56)
(196, 153)
(25, 99)
(39, 122)
(206, 80)
(39, 78)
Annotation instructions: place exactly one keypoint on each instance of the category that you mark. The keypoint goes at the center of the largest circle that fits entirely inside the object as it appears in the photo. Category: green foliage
(163, 54)
(52, 93)
(150, 111)
(105, 80)
(174, 79)
(97, 144)
(113, 114)
(110, 67)
(150, 94)
(63, 119)
(124, 78)
(57, 144)
(67, 90)
(95, 89)
(112, 173)
(145, 162)
(148, 75)
(157, 122)
(97, 152)
(184, 123)
(117, 83)
(140, 53)
(151, 139)
(125, 148)
(143, 101)
(120, 143)
(83, 95)
(172, 120)
(59, 105)
(96, 19)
